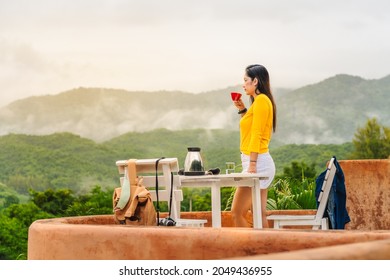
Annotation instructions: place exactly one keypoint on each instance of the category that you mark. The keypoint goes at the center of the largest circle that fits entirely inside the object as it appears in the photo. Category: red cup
(235, 96)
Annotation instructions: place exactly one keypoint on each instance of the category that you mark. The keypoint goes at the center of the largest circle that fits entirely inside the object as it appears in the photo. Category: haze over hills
(326, 112)
(332, 110)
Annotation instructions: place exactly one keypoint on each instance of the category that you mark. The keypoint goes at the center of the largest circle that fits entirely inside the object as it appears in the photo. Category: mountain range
(328, 112)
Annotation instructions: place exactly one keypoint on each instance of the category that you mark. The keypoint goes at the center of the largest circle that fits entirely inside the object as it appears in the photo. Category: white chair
(317, 221)
(146, 168)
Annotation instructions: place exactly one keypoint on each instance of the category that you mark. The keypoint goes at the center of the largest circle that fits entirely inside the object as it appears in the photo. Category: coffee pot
(193, 164)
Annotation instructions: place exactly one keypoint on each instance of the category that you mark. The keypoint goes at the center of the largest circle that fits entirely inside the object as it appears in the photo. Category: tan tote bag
(132, 203)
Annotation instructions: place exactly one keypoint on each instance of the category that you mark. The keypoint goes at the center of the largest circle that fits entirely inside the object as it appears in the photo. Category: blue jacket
(336, 209)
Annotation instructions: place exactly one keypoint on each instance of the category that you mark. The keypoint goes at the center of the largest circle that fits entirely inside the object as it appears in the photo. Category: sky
(47, 47)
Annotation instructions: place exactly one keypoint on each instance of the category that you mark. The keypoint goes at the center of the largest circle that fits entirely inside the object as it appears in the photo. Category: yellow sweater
(256, 126)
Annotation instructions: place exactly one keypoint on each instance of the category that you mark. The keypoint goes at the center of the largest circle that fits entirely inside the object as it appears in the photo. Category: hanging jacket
(336, 210)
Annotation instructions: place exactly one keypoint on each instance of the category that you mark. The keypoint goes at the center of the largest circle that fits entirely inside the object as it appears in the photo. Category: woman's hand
(252, 167)
(239, 104)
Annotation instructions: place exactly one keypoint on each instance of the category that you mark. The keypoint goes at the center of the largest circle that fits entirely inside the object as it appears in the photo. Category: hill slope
(64, 160)
(332, 110)
(327, 112)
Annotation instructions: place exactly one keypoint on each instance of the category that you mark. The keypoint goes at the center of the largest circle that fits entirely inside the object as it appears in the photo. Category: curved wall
(98, 238)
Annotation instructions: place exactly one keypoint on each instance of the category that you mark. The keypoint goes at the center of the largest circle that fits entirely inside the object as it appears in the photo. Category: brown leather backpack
(132, 203)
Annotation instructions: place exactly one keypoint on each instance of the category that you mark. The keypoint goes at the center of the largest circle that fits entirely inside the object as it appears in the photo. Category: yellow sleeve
(260, 135)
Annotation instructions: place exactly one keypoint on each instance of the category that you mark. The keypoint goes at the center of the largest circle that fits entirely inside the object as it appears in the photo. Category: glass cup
(230, 167)
(235, 96)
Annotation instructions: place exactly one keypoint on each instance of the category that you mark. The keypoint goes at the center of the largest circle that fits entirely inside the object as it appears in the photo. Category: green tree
(371, 141)
(299, 171)
(97, 202)
(196, 199)
(9, 200)
(14, 223)
(16, 219)
(53, 201)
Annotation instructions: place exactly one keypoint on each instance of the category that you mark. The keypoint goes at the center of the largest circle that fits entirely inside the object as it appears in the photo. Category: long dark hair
(263, 85)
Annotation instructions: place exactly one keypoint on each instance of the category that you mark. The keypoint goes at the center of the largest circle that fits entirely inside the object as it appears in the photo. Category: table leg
(256, 205)
(216, 205)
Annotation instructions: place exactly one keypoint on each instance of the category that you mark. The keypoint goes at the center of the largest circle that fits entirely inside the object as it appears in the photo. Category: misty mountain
(331, 111)
(102, 114)
(327, 112)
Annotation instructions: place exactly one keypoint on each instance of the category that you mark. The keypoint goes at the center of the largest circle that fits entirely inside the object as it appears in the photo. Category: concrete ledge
(98, 238)
(373, 250)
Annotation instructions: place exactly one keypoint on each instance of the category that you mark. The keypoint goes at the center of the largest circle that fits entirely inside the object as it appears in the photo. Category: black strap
(170, 196)
(158, 202)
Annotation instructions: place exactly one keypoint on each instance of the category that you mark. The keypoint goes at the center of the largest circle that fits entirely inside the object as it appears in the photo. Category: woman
(256, 126)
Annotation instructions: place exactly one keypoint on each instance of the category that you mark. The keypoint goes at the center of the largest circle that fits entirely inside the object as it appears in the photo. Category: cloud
(52, 46)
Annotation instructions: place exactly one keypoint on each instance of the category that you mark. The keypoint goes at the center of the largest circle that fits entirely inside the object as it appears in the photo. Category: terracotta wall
(99, 238)
(368, 193)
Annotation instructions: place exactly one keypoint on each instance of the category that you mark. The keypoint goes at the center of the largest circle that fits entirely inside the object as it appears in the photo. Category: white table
(215, 182)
